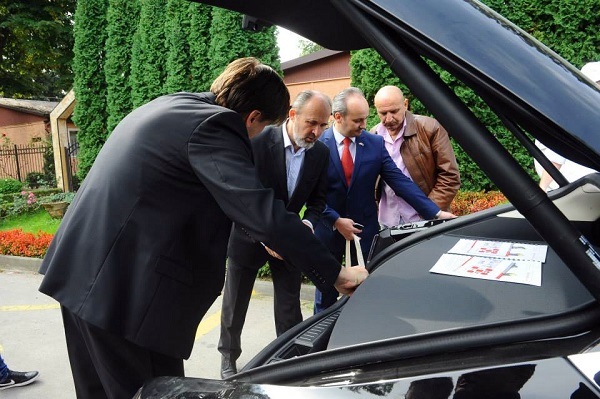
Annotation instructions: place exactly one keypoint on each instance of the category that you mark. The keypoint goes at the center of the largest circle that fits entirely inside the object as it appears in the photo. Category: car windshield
(531, 89)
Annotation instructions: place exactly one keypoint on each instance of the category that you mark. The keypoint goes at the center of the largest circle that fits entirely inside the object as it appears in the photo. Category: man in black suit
(290, 160)
(140, 254)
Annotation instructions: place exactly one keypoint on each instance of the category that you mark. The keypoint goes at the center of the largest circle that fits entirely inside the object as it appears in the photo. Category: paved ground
(31, 335)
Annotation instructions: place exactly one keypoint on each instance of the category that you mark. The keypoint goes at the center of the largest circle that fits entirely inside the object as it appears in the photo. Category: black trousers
(239, 282)
(105, 365)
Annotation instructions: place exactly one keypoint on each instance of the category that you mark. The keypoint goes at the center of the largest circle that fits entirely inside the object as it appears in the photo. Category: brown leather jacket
(429, 158)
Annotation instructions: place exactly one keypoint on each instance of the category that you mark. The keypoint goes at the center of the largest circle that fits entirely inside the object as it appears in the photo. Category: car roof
(514, 73)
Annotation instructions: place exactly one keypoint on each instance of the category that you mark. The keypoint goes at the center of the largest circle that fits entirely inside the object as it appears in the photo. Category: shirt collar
(382, 131)
(286, 139)
(339, 138)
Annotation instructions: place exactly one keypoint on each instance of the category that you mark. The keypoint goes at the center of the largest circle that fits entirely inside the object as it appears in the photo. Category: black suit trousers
(105, 365)
(239, 283)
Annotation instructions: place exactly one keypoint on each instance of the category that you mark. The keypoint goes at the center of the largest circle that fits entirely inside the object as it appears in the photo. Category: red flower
(18, 243)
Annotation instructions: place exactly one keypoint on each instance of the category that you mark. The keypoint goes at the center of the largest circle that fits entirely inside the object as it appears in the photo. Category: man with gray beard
(290, 160)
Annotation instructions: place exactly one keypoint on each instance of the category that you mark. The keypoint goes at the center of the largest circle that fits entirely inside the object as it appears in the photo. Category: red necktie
(347, 163)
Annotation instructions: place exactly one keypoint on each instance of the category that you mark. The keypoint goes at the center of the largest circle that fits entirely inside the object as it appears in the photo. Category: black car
(408, 332)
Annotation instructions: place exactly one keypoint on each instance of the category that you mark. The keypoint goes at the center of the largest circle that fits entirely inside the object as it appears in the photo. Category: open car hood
(515, 74)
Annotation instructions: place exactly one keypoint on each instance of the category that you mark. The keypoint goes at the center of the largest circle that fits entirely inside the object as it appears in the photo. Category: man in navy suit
(290, 160)
(350, 194)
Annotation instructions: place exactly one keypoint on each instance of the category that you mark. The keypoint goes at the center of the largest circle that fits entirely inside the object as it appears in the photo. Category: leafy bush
(18, 243)
(38, 179)
(467, 202)
(25, 201)
(10, 185)
(264, 271)
(43, 192)
(58, 197)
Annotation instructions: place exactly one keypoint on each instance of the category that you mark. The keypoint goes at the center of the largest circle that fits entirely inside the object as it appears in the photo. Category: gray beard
(300, 142)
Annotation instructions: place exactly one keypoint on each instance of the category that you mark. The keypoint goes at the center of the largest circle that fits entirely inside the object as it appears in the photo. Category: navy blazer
(311, 186)
(357, 202)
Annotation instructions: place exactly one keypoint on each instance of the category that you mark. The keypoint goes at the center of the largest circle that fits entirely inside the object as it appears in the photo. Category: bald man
(421, 149)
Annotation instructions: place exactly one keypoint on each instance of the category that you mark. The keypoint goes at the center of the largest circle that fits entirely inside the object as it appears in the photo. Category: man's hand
(446, 215)
(273, 253)
(346, 228)
(350, 278)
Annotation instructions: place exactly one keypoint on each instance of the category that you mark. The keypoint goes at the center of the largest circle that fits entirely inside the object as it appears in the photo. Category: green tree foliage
(179, 61)
(263, 45)
(122, 18)
(36, 48)
(198, 42)
(569, 28)
(228, 41)
(149, 57)
(89, 80)
(307, 47)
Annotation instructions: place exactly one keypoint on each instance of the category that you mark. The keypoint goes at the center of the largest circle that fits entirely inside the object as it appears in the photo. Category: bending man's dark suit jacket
(357, 201)
(247, 256)
(141, 250)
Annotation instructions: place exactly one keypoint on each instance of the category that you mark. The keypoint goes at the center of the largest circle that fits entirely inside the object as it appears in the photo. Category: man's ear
(292, 113)
(253, 116)
(337, 116)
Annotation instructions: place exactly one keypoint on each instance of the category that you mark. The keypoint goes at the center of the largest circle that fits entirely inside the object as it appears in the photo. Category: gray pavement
(32, 338)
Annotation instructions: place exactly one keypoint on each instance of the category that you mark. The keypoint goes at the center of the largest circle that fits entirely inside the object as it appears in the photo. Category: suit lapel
(334, 156)
(278, 155)
(360, 150)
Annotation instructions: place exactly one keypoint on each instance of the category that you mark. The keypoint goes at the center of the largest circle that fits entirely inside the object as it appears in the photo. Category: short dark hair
(246, 85)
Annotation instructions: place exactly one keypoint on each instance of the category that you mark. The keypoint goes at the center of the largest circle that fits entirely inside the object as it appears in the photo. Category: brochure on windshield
(512, 271)
(500, 249)
(494, 260)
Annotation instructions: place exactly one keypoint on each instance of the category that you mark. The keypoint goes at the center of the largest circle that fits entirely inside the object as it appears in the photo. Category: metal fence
(19, 160)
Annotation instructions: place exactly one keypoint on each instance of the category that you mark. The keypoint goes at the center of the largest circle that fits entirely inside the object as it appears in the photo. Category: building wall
(22, 128)
(330, 87)
(329, 75)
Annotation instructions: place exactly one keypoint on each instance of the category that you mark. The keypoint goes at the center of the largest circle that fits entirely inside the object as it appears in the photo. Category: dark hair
(246, 85)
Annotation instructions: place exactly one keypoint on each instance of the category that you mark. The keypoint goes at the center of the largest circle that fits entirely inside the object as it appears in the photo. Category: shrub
(58, 197)
(264, 271)
(37, 179)
(26, 201)
(9, 185)
(467, 202)
(43, 192)
(19, 243)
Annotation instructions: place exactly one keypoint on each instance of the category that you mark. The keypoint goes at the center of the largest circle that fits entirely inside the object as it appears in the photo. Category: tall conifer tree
(228, 41)
(198, 42)
(149, 57)
(122, 18)
(89, 83)
(179, 62)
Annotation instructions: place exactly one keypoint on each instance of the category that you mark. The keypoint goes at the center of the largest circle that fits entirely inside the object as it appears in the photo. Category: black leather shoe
(228, 367)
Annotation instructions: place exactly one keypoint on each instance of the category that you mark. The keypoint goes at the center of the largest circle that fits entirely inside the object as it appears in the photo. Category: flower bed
(19, 243)
(467, 202)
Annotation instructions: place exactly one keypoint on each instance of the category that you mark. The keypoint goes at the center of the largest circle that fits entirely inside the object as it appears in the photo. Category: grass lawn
(31, 222)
